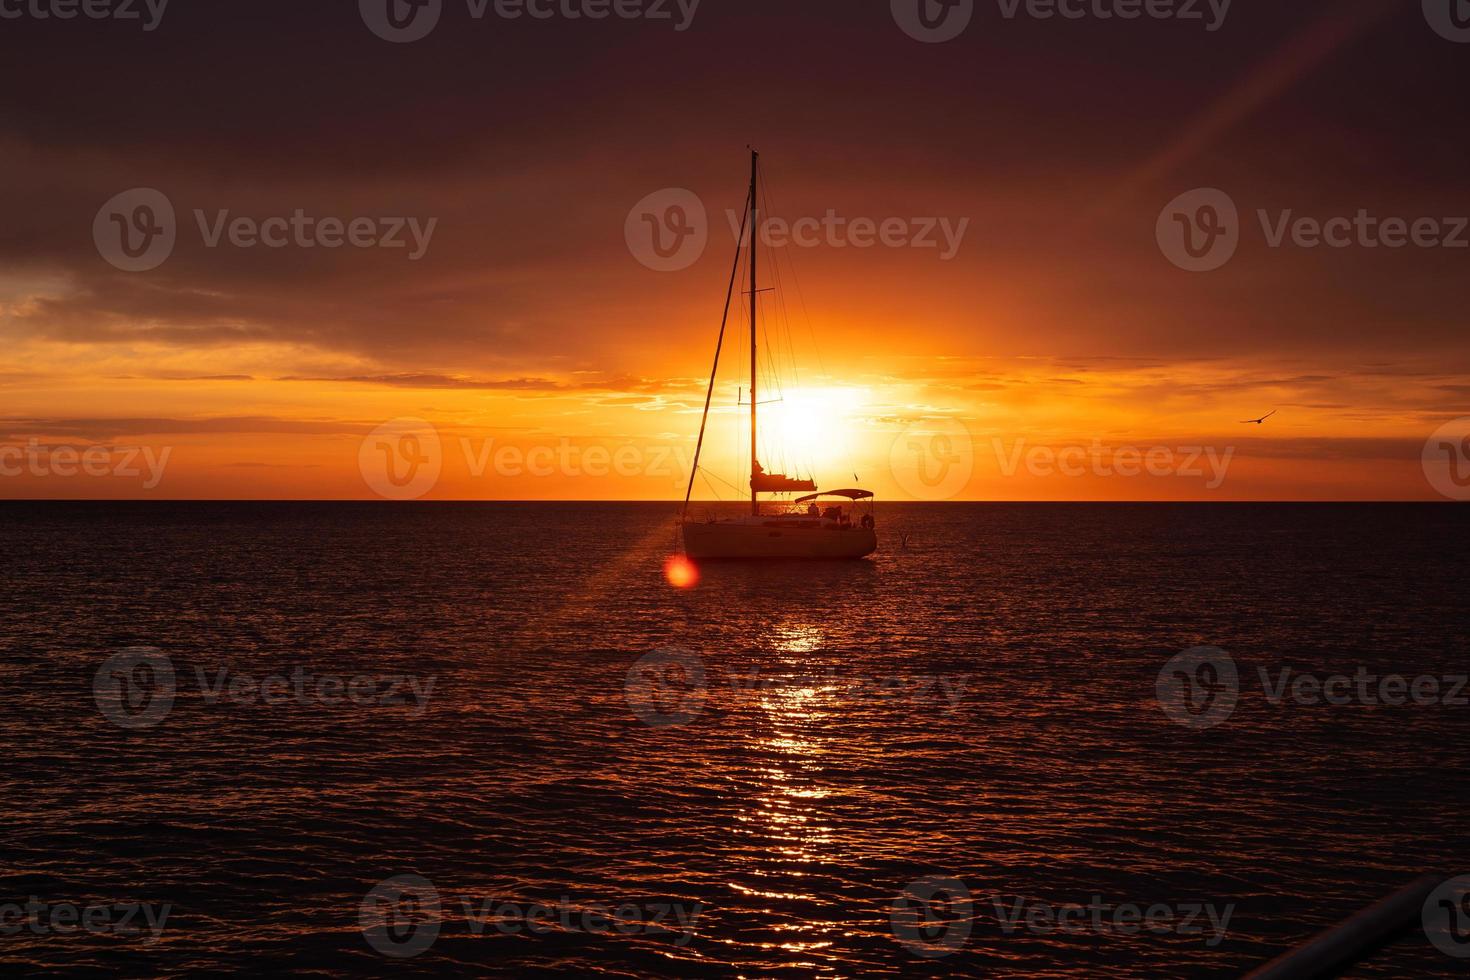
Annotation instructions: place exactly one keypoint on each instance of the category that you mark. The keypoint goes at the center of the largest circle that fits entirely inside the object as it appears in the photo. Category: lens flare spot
(681, 572)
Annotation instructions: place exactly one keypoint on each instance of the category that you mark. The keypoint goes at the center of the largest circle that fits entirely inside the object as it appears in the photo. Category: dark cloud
(530, 140)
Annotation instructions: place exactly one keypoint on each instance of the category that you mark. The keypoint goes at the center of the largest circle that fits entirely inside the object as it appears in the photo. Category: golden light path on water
(790, 838)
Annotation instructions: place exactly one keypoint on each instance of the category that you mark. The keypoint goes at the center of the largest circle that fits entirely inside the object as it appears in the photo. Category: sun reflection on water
(790, 835)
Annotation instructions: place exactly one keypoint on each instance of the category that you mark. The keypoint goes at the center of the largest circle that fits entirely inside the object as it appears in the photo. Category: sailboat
(818, 530)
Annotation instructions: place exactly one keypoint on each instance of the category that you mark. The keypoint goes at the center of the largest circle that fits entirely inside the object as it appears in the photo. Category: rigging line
(741, 439)
(801, 297)
(808, 459)
(775, 460)
(709, 393)
(785, 317)
(783, 321)
(792, 462)
(709, 475)
(770, 208)
(712, 488)
(849, 457)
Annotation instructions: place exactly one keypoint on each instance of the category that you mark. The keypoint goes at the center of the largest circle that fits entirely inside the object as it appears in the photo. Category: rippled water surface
(979, 704)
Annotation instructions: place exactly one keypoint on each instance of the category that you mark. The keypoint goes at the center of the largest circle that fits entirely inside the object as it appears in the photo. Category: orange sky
(1055, 346)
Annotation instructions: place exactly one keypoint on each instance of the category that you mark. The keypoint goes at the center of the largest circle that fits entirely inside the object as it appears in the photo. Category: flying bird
(1260, 420)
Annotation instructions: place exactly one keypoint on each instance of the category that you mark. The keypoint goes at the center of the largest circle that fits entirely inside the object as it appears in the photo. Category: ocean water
(243, 719)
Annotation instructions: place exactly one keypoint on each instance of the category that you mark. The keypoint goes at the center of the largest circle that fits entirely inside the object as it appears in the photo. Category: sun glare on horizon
(812, 428)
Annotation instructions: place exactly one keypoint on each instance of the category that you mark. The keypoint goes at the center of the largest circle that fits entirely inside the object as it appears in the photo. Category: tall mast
(754, 234)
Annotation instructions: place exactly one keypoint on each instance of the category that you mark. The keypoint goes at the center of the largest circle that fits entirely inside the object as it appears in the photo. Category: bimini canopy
(849, 494)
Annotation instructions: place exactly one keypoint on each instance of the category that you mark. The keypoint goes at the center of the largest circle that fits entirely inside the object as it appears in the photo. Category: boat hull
(723, 539)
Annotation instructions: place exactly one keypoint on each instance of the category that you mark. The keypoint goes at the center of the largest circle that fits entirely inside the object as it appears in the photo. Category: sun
(812, 428)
